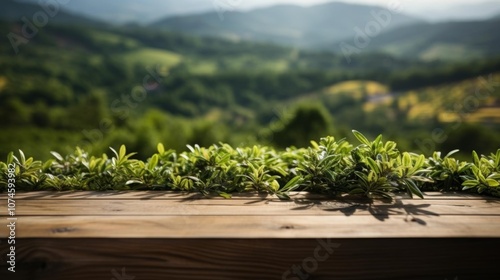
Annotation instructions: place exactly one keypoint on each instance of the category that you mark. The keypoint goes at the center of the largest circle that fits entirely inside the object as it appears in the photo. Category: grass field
(448, 52)
(150, 56)
(358, 88)
(474, 100)
(114, 39)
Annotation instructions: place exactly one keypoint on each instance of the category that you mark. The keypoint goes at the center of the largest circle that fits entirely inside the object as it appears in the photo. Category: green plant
(447, 173)
(333, 167)
(485, 173)
(380, 169)
(28, 172)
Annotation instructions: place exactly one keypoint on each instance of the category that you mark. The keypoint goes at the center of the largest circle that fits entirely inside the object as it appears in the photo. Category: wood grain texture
(254, 226)
(220, 259)
(174, 215)
(296, 207)
(169, 195)
(165, 235)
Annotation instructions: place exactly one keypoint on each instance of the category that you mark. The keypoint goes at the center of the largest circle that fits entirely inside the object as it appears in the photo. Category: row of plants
(332, 167)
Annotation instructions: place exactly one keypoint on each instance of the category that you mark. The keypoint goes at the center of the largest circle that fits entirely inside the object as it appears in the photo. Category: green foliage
(373, 169)
(382, 169)
(80, 85)
(446, 172)
(305, 123)
(485, 173)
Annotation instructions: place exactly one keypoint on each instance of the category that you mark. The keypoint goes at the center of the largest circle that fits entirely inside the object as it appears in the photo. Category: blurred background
(97, 74)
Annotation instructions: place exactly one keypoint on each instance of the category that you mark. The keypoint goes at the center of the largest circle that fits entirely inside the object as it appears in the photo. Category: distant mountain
(285, 24)
(14, 11)
(446, 41)
(148, 11)
(143, 11)
(461, 12)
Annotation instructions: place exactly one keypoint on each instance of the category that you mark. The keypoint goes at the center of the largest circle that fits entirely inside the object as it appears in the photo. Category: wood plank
(84, 207)
(221, 259)
(165, 195)
(255, 226)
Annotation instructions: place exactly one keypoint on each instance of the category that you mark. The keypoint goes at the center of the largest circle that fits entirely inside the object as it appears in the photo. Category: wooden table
(160, 235)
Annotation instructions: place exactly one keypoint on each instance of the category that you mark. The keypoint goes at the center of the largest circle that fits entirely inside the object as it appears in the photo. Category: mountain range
(128, 11)
(326, 26)
(12, 10)
(444, 40)
(317, 27)
(304, 27)
(148, 11)
(473, 11)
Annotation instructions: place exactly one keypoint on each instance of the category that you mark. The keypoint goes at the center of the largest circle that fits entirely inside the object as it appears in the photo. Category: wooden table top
(177, 215)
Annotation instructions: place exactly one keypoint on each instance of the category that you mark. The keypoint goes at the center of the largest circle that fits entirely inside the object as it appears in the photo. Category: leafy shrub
(371, 169)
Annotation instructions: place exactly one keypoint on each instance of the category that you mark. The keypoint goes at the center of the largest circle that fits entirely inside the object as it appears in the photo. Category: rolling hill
(14, 11)
(125, 11)
(325, 26)
(290, 25)
(444, 41)
(148, 11)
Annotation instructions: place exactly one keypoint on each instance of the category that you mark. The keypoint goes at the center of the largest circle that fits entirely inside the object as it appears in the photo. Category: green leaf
(133, 182)
(315, 145)
(373, 165)
(419, 162)
(452, 153)
(361, 137)
(225, 195)
(293, 183)
(376, 142)
(22, 157)
(422, 179)
(481, 177)
(492, 183)
(476, 158)
(123, 152)
(161, 148)
(275, 186)
(283, 196)
(414, 188)
(153, 162)
(114, 152)
(468, 187)
(406, 160)
(191, 148)
(10, 158)
(470, 183)
(47, 164)
(57, 156)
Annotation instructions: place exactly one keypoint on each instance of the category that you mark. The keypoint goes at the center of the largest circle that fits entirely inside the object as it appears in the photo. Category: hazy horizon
(148, 11)
(422, 5)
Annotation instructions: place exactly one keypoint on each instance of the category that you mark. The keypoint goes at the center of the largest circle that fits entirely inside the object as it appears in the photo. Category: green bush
(371, 169)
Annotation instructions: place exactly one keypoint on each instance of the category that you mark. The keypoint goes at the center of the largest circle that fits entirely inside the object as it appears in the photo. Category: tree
(308, 122)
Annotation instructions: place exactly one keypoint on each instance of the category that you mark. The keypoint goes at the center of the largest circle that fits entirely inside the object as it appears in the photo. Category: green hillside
(13, 10)
(441, 41)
